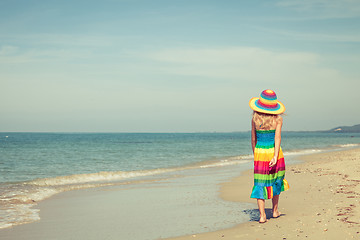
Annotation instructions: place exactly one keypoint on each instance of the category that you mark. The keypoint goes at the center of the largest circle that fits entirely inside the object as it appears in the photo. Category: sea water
(36, 166)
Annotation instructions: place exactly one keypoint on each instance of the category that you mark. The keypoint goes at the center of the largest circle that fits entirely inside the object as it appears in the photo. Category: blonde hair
(265, 121)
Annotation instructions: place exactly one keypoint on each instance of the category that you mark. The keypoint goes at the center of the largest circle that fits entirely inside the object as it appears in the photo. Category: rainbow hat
(267, 103)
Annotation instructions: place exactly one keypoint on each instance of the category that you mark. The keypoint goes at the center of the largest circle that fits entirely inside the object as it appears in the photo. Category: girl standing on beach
(269, 164)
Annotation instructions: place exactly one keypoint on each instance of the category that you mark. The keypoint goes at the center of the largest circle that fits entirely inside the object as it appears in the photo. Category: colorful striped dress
(268, 181)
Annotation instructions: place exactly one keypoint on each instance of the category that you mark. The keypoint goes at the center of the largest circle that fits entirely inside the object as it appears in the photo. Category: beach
(322, 203)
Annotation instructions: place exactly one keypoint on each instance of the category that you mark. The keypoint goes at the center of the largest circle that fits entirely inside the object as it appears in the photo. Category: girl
(269, 164)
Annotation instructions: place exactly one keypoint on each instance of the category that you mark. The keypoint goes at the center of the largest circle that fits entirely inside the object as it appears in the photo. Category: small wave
(230, 161)
(96, 177)
(240, 157)
(224, 163)
(350, 145)
(319, 150)
(302, 152)
(18, 214)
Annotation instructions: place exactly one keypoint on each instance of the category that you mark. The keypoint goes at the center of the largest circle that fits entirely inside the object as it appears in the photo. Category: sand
(322, 203)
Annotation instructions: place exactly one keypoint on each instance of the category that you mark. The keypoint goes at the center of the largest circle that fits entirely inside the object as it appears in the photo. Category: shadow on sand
(255, 215)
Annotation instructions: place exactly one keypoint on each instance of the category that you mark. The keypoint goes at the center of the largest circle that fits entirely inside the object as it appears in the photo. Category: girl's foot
(276, 214)
(263, 220)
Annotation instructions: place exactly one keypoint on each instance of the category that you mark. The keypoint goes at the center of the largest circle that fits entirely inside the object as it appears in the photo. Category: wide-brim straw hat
(267, 103)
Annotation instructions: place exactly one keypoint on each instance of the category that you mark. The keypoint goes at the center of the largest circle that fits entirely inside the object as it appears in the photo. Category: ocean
(37, 166)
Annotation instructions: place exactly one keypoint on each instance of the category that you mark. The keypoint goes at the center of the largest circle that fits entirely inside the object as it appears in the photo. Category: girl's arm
(253, 136)
(279, 123)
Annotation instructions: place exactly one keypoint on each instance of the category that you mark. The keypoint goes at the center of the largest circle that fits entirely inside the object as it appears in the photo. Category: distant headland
(346, 129)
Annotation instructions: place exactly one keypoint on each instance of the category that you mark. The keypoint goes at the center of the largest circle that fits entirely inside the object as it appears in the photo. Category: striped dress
(268, 182)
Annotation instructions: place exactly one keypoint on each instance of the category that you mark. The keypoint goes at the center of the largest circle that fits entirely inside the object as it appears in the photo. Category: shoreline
(47, 165)
(323, 201)
(324, 187)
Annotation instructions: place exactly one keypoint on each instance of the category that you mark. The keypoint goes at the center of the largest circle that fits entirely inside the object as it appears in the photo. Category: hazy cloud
(243, 63)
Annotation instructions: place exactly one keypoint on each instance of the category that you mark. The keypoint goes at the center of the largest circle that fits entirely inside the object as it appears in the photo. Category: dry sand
(322, 203)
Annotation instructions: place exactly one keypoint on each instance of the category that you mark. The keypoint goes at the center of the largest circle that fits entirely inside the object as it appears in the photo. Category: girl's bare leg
(275, 202)
(261, 205)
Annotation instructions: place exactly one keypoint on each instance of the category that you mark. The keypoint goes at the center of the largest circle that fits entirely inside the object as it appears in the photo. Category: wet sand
(322, 203)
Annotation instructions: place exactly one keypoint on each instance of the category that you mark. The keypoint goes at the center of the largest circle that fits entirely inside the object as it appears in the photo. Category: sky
(176, 66)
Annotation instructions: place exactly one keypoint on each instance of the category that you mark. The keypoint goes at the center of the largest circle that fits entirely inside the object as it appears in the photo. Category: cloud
(243, 63)
(62, 47)
(8, 50)
(70, 40)
(15, 55)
